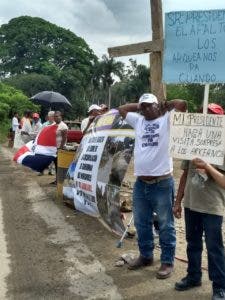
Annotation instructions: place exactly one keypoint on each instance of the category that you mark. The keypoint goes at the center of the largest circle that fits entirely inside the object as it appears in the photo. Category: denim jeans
(158, 198)
(196, 224)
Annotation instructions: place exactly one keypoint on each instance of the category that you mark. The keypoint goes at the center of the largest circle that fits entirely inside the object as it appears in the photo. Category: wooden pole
(206, 99)
(157, 87)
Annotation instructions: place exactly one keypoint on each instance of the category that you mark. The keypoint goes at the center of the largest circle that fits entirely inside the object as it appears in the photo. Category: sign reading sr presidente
(198, 135)
(194, 47)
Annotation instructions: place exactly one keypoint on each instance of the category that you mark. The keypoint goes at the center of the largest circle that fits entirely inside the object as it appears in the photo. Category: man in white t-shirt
(61, 133)
(93, 111)
(15, 122)
(154, 187)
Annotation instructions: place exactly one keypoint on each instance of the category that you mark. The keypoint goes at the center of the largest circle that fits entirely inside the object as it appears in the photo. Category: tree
(108, 68)
(12, 100)
(193, 93)
(32, 83)
(134, 83)
(31, 45)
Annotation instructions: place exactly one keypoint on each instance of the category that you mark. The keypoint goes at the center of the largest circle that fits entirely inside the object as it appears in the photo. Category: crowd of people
(29, 126)
(154, 190)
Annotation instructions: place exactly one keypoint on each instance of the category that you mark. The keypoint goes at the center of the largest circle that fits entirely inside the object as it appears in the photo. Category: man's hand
(91, 119)
(199, 163)
(177, 209)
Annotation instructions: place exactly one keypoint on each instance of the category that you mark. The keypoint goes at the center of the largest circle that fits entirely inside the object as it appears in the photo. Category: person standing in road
(204, 203)
(154, 187)
(15, 122)
(14, 128)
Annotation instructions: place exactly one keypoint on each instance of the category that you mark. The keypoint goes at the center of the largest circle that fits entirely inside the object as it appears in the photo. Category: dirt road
(48, 251)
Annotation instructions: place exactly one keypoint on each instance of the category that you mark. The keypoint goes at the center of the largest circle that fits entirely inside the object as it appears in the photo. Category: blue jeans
(196, 224)
(158, 198)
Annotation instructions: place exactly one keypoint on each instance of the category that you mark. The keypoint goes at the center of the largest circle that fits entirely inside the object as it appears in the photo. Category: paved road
(48, 251)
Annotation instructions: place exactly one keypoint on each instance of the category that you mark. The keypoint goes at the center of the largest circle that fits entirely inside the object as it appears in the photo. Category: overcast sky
(102, 23)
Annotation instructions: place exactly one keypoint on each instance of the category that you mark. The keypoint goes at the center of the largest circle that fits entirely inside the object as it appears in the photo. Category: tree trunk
(109, 96)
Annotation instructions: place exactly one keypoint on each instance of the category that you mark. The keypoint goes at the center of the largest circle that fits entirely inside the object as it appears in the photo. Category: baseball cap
(94, 106)
(35, 115)
(148, 98)
(216, 109)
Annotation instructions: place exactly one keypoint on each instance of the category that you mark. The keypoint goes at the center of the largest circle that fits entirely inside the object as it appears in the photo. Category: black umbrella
(51, 99)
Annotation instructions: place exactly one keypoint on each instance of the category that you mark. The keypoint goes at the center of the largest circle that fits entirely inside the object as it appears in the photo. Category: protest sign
(99, 168)
(194, 47)
(198, 135)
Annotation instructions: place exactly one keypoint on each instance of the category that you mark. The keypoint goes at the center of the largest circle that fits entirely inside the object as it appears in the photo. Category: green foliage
(33, 45)
(103, 76)
(38, 55)
(4, 130)
(12, 100)
(31, 84)
(135, 82)
(4, 110)
(217, 94)
(193, 94)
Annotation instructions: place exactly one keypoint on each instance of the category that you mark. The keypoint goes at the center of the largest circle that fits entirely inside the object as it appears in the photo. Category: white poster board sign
(197, 135)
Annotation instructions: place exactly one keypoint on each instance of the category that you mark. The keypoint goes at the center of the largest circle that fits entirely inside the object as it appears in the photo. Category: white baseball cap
(148, 98)
(94, 106)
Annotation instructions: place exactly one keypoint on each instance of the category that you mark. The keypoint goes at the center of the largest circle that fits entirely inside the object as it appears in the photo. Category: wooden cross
(154, 47)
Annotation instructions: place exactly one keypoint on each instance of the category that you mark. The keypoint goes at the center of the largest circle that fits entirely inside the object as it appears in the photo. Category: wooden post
(156, 57)
(206, 99)
(155, 47)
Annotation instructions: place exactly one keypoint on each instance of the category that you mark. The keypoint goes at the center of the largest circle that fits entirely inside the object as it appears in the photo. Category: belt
(156, 179)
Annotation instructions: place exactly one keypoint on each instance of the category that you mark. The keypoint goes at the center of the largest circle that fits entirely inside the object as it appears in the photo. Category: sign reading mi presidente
(197, 135)
(194, 47)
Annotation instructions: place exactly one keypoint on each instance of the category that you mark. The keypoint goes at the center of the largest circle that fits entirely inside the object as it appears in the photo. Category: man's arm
(90, 120)
(64, 137)
(177, 104)
(177, 209)
(124, 109)
(213, 172)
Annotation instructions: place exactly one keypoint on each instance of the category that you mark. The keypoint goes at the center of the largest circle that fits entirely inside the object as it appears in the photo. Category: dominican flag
(39, 154)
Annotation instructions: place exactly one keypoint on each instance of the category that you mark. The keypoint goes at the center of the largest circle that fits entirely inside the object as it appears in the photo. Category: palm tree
(109, 68)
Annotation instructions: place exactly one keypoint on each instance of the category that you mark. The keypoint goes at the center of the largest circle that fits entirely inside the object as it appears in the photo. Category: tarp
(94, 179)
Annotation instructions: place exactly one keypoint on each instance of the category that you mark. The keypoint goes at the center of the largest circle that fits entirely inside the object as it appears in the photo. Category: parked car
(74, 134)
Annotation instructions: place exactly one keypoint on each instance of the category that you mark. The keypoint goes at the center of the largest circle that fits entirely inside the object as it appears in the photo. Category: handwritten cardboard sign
(194, 47)
(198, 135)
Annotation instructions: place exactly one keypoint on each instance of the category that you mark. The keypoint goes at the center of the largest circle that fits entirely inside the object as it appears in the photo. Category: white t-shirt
(84, 124)
(15, 123)
(151, 151)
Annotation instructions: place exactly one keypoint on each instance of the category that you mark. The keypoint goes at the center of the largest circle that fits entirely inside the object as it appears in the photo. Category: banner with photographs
(99, 168)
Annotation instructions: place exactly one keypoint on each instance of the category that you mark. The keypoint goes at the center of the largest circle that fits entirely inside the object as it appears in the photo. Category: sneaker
(186, 284)
(140, 262)
(164, 271)
(218, 294)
